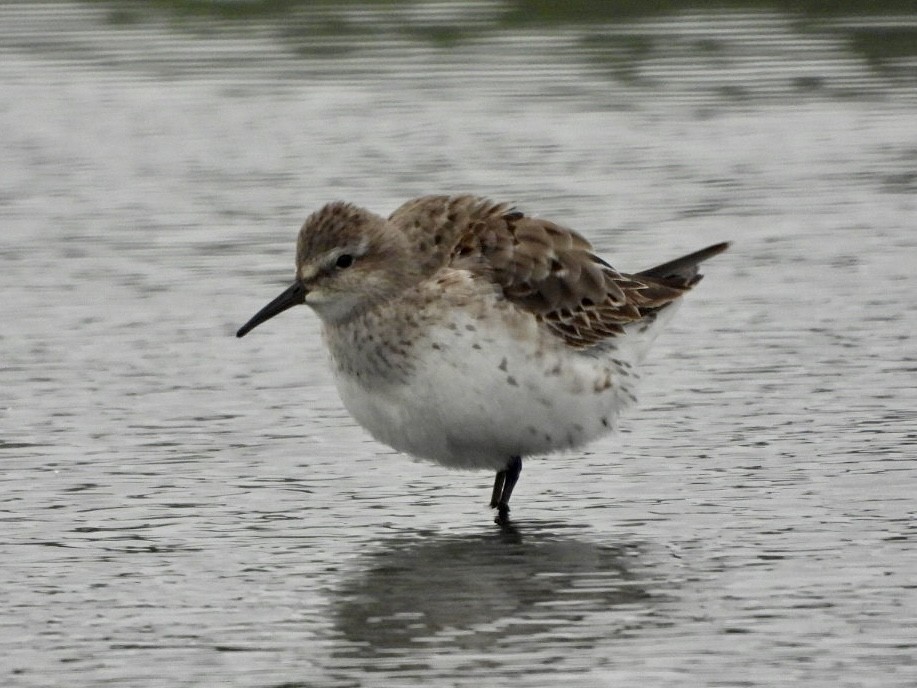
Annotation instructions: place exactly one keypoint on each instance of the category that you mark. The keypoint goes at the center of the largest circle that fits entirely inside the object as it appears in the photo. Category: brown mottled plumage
(464, 331)
(543, 268)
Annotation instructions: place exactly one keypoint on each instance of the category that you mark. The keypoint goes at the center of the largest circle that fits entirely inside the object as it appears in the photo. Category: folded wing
(546, 269)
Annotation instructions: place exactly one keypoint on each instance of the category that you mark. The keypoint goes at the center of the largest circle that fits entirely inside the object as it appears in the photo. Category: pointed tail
(682, 272)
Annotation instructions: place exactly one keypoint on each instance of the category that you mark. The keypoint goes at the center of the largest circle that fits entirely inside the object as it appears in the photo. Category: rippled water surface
(181, 508)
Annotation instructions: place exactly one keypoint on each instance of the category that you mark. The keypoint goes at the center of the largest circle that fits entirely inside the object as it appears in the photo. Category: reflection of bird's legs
(503, 488)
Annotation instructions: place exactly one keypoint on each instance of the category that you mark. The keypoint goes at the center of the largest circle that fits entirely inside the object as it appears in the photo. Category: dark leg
(498, 489)
(509, 478)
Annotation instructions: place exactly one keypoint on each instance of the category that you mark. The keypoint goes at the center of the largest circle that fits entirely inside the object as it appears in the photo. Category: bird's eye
(344, 261)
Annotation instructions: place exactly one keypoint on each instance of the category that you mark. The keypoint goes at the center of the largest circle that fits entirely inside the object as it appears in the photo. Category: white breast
(472, 391)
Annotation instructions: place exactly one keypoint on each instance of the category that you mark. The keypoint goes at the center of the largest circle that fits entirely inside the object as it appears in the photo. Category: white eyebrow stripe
(330, 257)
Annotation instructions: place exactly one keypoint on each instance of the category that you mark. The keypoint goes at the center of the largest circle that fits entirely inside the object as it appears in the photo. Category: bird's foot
(504, 483)
(502, 517)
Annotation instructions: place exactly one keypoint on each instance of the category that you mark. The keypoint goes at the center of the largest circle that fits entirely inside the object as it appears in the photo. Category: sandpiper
(465, 332)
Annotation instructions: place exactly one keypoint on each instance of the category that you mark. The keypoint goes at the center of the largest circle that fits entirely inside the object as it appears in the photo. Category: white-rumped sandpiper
(468, 333)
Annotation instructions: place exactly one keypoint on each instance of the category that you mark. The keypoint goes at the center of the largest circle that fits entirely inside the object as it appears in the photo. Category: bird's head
(347, 259)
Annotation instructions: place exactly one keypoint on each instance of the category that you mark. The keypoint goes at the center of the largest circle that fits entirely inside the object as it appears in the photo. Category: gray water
(181, 508)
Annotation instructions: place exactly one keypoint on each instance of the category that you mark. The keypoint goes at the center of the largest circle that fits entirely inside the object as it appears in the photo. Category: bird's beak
(294, 295)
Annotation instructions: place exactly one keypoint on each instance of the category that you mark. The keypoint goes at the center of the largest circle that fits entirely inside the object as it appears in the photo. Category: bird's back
(543, 268)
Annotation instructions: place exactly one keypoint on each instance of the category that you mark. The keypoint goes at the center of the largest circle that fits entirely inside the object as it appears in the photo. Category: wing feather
(544, 268)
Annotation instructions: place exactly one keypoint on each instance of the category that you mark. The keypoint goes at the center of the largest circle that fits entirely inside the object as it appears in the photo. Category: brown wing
(552, 272)
(545, 269)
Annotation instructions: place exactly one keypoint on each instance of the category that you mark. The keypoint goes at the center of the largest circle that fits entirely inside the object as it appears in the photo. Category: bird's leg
(498, 489)
(509, 478)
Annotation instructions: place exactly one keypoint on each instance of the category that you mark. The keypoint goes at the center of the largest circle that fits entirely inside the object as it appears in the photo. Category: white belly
(470, 396)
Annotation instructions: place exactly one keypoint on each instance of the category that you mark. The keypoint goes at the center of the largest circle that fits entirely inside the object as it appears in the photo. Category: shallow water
(181, 508)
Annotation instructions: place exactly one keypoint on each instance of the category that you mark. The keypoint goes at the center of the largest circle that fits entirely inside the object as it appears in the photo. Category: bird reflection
(485, 590)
